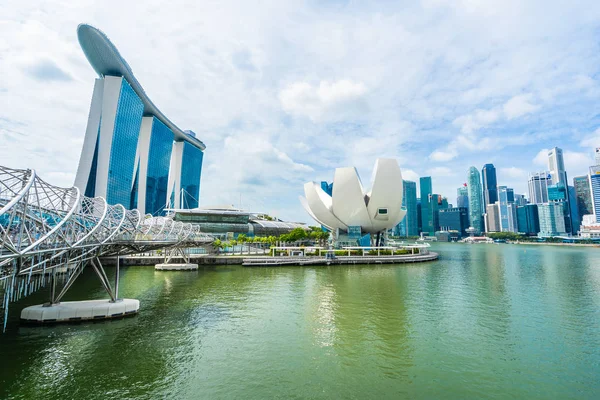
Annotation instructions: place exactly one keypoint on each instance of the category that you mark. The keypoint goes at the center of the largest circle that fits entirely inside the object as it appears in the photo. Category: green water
(485, 321)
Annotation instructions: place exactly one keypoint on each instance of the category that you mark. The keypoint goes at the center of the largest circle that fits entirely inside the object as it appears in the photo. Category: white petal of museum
(349, 205)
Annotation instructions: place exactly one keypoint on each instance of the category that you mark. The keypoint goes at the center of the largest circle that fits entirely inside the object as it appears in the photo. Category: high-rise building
(475, 199)
(426, 191)
(538, 187)
(528, 219)
(506, 209)
(132, 153)
(327, 187)
(462, 196)
(594, 178)
(520, 200)
(583, 196)
(552, 220)
(454, 219)
(597, 156)
(556, 165)
(513, 222)
(575, 217)
(492, 218)
(436, 204)
(409, 226)
(559, 194)
(488, 175)
(419, 216)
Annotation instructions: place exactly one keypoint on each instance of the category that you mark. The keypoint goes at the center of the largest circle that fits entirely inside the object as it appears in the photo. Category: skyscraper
(597, 156)
(594, 178)
(583, 196)
(552, 220)
(520, 200)
(462, 197)
(475, 199)
(454, 219)
(528, 219)
(409, 226)
(132, 153)
(492, 218)
(556, 165)
(436, 204)
(538, 187)
(559, 195)
(506, 209)
(426, 191)
(490, 194)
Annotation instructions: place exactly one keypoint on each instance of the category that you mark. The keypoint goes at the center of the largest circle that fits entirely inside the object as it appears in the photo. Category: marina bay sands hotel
(132, 153)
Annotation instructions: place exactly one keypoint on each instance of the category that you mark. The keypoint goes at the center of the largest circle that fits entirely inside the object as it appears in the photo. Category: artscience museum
(352, 214)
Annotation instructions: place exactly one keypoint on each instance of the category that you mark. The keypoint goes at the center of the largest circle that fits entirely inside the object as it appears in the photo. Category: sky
(283, 92)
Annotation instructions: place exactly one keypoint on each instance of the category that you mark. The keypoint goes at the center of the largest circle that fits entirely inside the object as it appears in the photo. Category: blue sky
(282, 92)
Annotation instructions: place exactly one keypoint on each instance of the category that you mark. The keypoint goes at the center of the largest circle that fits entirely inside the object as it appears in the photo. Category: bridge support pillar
(180, 253)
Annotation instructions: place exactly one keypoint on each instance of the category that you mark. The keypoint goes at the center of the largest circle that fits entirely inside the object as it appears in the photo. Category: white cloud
(512, 173)
(479, 119)
(442, 156)
(541, 158)
(303, 87)
(577, 163)
(519, 105)
(328, 100)
(592, 140)
(441, 172)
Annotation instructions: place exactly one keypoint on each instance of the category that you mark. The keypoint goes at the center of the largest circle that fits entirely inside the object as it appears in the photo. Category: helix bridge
(49, 234)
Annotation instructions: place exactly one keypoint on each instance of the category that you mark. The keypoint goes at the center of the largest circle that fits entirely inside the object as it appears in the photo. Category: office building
(475, 200)
(426, 191)
(454, 219)
(436, 204)
(597, 156)
(492, 218)
(419, 216)
(462, 196)
(583, 196)
(327, 187)
(594, 178)
(488, 175)
(538, 187)
(556, 165)
(132, 153)
(506, 209)
(575, 217)
(520, 200)
(409, 225)
(528, 219)
(552, 220)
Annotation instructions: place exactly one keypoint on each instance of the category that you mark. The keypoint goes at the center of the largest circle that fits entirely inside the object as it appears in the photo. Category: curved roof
(106, 60)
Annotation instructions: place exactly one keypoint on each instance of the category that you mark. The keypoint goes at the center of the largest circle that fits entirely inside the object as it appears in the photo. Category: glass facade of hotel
(159, 156)
(128, 155)
(191, 168)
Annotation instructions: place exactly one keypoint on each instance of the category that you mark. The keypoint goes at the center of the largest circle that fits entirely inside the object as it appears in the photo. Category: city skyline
(271, 122)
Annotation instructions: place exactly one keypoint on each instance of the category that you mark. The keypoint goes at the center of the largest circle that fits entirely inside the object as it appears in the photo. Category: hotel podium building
(132, 153)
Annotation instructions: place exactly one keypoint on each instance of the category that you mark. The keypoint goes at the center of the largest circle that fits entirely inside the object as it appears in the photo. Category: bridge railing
(43, 226)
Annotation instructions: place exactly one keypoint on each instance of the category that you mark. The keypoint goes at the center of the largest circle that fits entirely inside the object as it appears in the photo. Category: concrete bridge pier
(70, 311)
(176, 252)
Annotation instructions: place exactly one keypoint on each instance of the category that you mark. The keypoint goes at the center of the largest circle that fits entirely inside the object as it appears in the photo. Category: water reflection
(491, 321)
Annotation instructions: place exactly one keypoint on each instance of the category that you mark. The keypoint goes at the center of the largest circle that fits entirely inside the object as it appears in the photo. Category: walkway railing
(45, 229)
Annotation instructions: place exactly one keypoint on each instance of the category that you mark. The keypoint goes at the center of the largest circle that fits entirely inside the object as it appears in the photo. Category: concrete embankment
(344, 260)
(261, 260)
